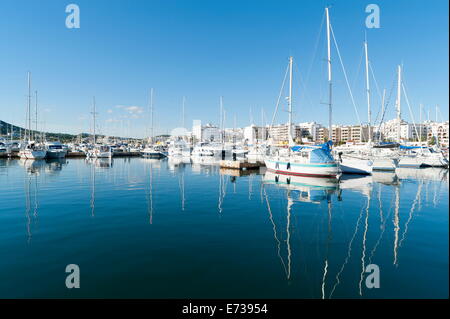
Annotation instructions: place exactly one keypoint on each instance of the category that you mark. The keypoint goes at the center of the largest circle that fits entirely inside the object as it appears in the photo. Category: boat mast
(94, 113)
(36, 116)
(420, 120)
(28, 130)
(221, 121)
(398, 102)
(330, 129)
(290, 139)
(151, 116)
(369, 115)
(184, 102)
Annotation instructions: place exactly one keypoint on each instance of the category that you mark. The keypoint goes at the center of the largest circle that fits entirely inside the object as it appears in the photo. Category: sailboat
(30, 149)
(369, 157)
(99, 151)
(153, 151)
(300, 160)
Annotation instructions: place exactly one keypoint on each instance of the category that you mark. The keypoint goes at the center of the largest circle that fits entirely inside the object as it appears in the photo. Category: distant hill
(5, 129)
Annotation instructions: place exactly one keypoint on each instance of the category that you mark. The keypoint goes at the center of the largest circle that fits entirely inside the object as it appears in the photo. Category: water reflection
(323, 232)
(306, 190)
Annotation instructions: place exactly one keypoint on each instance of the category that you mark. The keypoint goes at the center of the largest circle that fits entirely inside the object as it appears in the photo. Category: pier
(240, 165)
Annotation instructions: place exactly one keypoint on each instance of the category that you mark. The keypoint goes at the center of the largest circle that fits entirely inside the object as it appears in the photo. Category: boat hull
(302, 169)
(29, 154)
(384, 164)
(56, 154)
(356, 166)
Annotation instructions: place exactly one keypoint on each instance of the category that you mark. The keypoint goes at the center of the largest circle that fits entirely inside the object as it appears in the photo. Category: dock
(240, 165)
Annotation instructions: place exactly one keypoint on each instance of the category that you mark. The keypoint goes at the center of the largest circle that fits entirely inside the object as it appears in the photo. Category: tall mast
(369, 115)
(221, 121)
(184, 102)
(94, 113)
(398, 102)
(151, 115)
(36, 116)
(330, 129)
(28, 131)
(420, 120)
(290, 139)
(436, 115)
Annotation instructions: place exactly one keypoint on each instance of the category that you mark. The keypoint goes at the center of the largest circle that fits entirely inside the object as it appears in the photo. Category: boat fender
(288, 166)
(276, 179)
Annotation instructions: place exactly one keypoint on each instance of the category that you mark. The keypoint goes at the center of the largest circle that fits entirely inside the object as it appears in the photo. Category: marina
(231, 151)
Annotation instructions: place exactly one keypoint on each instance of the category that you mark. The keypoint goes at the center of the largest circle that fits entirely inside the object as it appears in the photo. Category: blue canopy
(325, 146)
(403, 147)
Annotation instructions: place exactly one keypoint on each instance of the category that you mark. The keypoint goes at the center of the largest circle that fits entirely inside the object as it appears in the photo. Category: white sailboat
(313, 161)
(99, 151)
(364, 159)
(30, 148)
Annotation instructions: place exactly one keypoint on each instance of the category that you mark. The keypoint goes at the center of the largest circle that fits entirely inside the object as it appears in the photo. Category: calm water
(162, 229)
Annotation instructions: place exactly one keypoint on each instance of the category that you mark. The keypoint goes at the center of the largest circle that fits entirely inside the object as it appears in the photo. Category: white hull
(285, 166)
(410, 161)
(434, 161)
(384, 164)
(99, 154)
(30, 154)
(349, 165)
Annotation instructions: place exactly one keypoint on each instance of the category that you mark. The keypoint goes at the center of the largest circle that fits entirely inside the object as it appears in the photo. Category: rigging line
(279, 97)
(363, 257)
(316, 46)
(345, 75)
(348, 252)
(303, 85)
(359, 68)
(375, 80)
(372, 253)
(377, 87)
(274, 231)
(409, 107)
(386, 104)
(413, 207)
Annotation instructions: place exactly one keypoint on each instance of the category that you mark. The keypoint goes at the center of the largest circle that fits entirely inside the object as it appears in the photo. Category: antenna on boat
(330, 132)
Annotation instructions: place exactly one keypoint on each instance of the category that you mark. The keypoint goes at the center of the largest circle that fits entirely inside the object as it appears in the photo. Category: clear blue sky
(203, 49)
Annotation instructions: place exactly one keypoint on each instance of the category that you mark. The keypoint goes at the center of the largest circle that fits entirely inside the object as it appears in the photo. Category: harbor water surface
(144, 228)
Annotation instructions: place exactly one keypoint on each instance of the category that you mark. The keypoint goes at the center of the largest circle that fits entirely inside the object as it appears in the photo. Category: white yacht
(3, 150)
(100, 151)
(421, 156)
(31, 150)
(156, 151)
(55, 150)
(179, 148)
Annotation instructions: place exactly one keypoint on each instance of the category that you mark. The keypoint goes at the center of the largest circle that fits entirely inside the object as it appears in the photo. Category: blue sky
(205, 49)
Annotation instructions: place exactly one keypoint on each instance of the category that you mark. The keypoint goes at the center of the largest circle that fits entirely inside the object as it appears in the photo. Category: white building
(205, 133)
